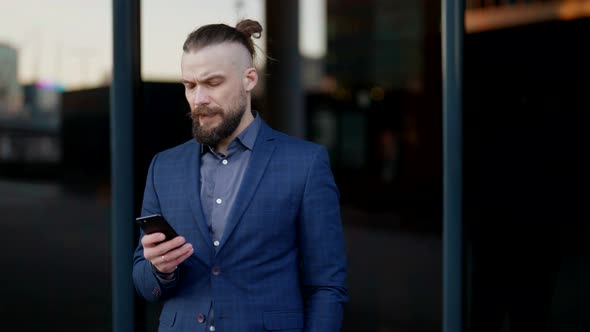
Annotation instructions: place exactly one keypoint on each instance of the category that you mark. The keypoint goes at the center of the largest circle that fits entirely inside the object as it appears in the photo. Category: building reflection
(30, 142)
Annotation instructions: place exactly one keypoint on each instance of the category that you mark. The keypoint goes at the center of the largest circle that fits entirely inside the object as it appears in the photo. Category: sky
(70, 41)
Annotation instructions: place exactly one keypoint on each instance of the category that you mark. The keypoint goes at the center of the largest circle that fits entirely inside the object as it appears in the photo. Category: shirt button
(216, 243)
(216, 270)
(218, 201)
(200, 318)
(212, 328)
(224, 161)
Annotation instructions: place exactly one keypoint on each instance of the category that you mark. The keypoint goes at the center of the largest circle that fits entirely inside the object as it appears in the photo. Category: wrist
(164, 275)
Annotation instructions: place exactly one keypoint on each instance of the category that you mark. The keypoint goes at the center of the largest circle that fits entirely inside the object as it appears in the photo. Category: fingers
(177, 256)
(149, 240)
(168, 262)
(166, 256)
(153, 247)
(152, 240)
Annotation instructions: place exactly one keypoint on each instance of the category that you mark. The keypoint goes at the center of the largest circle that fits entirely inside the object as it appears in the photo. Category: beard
(230, 120)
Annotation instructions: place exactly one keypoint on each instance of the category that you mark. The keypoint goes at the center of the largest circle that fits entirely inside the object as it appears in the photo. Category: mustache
(204, 110)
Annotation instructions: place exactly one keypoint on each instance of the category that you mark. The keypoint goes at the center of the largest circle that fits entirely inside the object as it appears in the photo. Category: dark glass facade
(525, 113)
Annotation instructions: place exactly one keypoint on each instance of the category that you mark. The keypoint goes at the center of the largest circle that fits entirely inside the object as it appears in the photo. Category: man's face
(214, 87)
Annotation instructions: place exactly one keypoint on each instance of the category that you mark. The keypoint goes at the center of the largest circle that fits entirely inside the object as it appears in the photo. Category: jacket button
(201, 318)
(216, 270)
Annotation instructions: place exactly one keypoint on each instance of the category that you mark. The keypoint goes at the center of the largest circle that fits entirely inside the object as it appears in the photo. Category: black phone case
(156, 223)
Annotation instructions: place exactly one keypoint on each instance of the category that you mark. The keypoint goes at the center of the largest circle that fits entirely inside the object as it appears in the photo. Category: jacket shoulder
(297, 144)
(180, 151)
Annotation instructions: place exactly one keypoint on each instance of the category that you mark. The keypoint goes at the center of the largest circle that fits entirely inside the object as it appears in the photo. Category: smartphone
(156, 223)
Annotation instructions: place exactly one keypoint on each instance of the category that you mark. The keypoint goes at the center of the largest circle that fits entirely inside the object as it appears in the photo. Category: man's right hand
(165, 256)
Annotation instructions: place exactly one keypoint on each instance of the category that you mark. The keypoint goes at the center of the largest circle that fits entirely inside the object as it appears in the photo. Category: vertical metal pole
(284, 87)
(124, 94)
(452, 54)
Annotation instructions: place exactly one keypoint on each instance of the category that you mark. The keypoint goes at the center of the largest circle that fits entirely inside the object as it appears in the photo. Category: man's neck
(246, 120)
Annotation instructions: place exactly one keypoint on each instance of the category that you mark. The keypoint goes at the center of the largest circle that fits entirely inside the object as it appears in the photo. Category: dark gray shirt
(221, 176)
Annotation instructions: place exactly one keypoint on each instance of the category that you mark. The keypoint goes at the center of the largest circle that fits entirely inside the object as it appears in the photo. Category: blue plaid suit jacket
(281, 264)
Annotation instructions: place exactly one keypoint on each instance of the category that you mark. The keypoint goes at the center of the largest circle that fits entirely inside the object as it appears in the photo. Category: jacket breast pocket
(283, 321)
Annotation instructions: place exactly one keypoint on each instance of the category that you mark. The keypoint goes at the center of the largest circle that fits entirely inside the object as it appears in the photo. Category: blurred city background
(369, 84)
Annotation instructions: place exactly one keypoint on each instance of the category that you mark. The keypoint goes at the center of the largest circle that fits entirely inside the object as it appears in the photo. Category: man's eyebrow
(211, 77)
(204, 79)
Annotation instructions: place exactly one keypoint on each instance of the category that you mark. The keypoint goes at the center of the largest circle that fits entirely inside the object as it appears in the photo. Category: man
(261, 245)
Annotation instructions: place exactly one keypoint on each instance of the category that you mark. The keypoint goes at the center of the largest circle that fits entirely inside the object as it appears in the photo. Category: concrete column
(125, 92)
(284, 107)
(452, 52)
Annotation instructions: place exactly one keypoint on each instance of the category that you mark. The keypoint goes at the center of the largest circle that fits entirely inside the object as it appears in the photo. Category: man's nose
(201, 96)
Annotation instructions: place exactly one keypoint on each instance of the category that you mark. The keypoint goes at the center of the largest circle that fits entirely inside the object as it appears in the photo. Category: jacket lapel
(261, 153)
(194, 189)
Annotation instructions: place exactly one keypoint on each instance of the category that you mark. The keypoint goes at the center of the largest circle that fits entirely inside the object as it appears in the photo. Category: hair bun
(249, 28)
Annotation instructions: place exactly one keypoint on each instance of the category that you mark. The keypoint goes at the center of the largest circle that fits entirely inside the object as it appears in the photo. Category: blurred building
(10, 90)
(43, 104)
(30, 141)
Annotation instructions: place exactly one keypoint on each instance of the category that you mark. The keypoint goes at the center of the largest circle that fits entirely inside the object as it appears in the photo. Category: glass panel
(526, 136)
(55, 60)
(378, 110)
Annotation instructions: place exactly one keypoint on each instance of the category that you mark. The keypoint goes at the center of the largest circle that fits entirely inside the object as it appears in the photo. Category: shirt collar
(247, 137)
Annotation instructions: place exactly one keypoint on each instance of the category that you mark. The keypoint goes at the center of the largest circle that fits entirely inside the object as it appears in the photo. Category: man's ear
(250, 79)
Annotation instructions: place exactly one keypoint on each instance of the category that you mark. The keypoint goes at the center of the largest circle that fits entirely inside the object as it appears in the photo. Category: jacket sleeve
(147, 284)
(323, 255)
